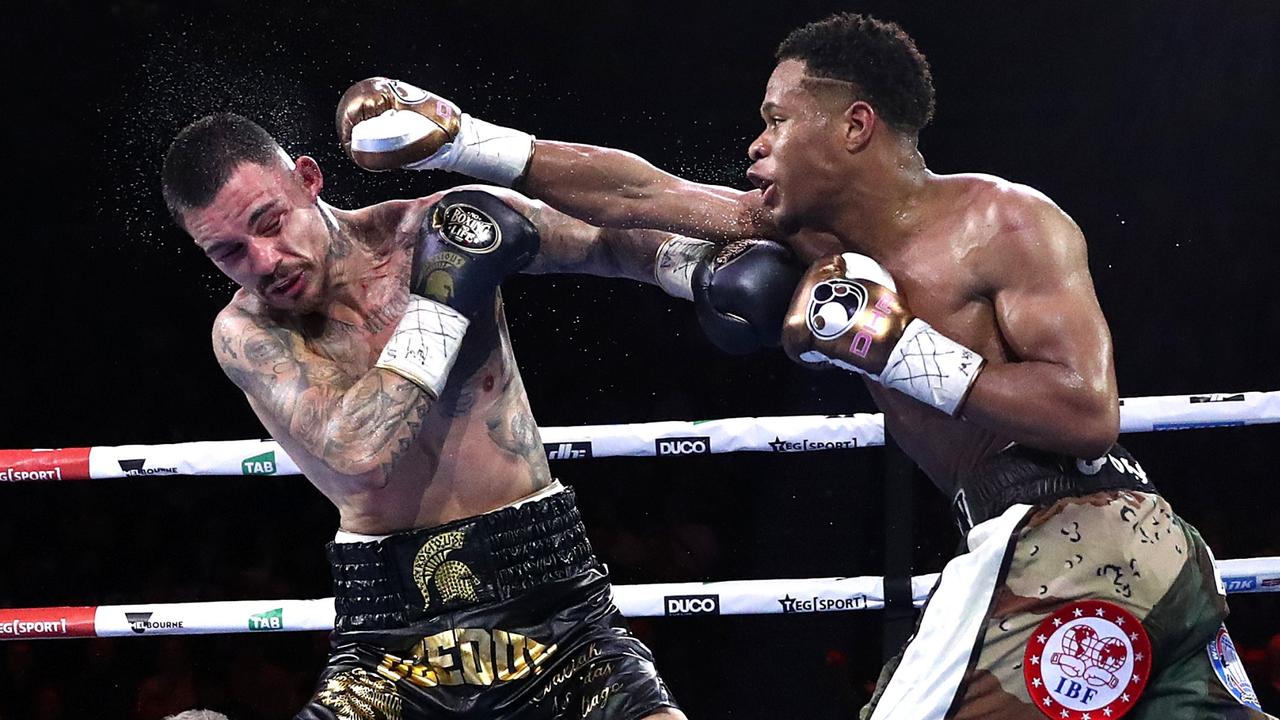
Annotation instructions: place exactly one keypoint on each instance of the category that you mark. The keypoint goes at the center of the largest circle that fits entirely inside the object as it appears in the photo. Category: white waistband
(342, 536)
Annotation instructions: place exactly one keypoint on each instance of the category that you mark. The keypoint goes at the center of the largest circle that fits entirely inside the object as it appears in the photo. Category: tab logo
(691, 605)
(693, 445)
(264, 464)
(567, 451)
(267, 621)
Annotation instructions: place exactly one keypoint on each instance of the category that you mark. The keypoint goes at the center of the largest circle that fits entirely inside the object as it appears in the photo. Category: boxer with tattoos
(371, 343)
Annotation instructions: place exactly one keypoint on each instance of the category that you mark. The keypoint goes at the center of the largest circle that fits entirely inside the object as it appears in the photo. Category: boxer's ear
(860, 124)
(307, 171)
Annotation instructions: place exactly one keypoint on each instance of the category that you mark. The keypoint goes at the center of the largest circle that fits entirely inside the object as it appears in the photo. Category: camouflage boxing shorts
(504, 615)
(1090, 607)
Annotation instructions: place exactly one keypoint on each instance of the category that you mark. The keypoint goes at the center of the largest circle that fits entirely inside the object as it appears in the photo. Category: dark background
(1153, 124)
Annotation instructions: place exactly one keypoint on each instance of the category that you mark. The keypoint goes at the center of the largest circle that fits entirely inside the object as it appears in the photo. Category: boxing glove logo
(468, 228)
(834, 306)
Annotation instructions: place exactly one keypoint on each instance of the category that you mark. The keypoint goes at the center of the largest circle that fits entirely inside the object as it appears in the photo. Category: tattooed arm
(569, 245)
(356, 427)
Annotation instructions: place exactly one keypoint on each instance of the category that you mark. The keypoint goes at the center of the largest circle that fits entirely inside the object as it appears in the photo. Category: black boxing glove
(470, 241)
(740, 291)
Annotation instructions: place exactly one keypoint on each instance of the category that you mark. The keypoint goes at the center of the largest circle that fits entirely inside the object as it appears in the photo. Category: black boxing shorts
(503, 615)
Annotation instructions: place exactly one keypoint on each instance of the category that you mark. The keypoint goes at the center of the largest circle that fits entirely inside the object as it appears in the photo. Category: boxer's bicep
(1045, 304)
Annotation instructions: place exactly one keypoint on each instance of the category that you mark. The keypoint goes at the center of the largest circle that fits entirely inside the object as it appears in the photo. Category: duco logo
(264, 464)
(691, 605)
(694, 445)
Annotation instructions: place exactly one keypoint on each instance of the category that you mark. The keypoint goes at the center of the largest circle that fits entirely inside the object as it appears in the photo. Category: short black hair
(877, 57)
(203, 156)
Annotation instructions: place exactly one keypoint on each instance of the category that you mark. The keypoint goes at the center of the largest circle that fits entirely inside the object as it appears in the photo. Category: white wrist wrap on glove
(425, 344)
(483, 151)
(930, 367)
(673, 265)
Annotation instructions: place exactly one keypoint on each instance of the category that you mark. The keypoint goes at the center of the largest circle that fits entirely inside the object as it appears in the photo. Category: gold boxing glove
(386, 124)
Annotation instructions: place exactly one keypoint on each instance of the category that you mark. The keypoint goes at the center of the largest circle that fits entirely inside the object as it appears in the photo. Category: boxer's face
(792, 159)
(265, 230)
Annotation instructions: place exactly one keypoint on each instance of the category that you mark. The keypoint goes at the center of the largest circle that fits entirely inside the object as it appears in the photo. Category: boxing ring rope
(674, 438)
(735, 597)
(799, 433)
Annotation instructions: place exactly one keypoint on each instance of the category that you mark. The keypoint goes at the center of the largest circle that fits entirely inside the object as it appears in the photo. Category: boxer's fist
(468, 243)
(741, 292)
(385, 124)
(847, 312)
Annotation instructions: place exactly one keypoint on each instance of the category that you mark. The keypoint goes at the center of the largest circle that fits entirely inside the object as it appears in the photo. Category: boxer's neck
(366, 277)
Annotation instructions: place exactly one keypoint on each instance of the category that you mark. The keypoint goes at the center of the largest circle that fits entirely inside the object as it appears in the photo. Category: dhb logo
(567, 451)
(691, 605)
(693, 445)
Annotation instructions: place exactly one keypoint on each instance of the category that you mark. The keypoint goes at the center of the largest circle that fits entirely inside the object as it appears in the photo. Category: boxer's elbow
(1096, 426)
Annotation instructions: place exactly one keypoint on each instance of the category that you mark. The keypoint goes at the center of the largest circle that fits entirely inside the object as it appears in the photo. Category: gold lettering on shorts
(453, 579)
(468, 656)
(356, 694)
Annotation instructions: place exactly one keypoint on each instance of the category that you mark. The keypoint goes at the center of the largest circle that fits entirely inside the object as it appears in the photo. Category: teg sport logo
(692, 445)
(691, 605)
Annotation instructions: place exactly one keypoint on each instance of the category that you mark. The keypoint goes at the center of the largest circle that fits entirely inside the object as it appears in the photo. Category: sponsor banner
(1186, 412)
(268, 621)
(44, 465)
(802, 433)
(687, 445)
(59, 622)
(233, 457)
(215, 617)
(691, 605)
(568, 450)
(1250, 575)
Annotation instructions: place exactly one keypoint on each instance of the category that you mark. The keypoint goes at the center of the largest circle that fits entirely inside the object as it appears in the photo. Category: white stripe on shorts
(925, 683)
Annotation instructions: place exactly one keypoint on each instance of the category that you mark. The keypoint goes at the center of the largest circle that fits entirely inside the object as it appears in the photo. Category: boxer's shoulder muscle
(1017, 234)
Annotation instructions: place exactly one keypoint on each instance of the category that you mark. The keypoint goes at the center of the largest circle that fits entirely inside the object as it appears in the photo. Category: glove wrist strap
(674, 264)
(425, 344)
(931, 367)
(486, 152)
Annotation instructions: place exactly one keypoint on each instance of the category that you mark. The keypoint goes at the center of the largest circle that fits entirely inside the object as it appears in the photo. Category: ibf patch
(1089, 659)
(467, 227)
(1230, 670)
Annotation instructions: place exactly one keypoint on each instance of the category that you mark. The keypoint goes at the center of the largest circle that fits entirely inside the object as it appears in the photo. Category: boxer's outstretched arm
(357, 427)
(1059, 393)
(619, 189)
(569, 245)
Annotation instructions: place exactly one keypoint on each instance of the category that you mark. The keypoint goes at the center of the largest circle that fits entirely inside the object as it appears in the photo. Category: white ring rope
(800, 433)
(736, 597)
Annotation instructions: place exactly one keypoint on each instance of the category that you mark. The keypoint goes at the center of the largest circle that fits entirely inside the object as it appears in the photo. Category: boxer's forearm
(357, 429)
(618, 189)
(1045, 405)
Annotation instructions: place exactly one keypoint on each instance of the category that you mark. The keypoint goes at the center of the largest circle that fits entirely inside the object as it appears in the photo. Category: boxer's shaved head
(203, 156)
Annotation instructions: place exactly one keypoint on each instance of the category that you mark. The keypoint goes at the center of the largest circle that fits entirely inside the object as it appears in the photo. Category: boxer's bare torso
(478, 447)
(974, 256)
